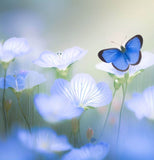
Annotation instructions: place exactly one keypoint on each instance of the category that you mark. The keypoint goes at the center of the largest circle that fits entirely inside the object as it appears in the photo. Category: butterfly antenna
(123, 40)
(115, 43)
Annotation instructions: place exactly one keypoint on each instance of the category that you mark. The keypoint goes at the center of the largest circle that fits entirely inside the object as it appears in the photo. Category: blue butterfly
(128, 55)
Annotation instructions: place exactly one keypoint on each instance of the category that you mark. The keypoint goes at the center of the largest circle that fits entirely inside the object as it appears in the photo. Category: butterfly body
(122, 49)
(122, 58)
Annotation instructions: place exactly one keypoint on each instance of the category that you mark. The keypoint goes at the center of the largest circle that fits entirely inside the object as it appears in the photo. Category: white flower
(83, 91)
(143, 104)
(88, 152)
(44, 140)
(12, 48)
(60, 60)
(147, 60)
(55, 108)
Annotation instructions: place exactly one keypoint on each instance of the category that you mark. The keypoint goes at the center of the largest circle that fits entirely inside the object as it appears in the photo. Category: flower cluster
(56, 121)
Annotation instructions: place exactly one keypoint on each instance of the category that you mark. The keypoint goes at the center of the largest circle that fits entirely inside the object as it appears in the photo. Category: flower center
(59, 54)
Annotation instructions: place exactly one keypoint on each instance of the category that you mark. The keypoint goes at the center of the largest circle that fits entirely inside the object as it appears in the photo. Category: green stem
(23, 114)
(124, 90)
(76, 133)
(64, 74)
(3, 104)
(108, 112)
(31, 107)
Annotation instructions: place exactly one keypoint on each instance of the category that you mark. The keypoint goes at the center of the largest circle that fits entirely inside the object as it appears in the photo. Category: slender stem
(124, 90)
(79, 134)
(31, 107)
(3, 104)
(76, 133)
(108, 112)
(23, 114)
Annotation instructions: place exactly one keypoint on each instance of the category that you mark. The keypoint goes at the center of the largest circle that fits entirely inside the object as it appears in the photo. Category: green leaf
(89, 107)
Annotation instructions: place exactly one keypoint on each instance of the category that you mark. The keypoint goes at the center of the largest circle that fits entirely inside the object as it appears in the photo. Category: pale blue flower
(60, 60)
(55, 108)
(146, 61)
(12, 149)
(22, 80)
(44, 140)
(83, 91)
(143, 104)
(69, 99)
(88, 152)
(12, 48)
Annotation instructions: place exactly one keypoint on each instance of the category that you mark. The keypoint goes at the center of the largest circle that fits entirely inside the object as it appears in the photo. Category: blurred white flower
(83, 91)
(44, 140)
(147, 60)
(88, 152)
(60, 60)
(12, 48)
(143, 104)
(22, 80)
(55, 108)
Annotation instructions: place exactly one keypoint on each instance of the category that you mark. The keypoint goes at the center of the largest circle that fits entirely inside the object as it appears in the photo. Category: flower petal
(44, 140)
(33, 79)
(10, 82)
(107, 67)
(46, 59)
(83, 91)
(83, 88)
(89, 151)
(16, 46)
(13, 47)
(73, 54)
(87, 93)
(137, 105)
(146, 61)
(104, 95)
(143, 104)
(55, 108)
(20, 81)
(60, 60)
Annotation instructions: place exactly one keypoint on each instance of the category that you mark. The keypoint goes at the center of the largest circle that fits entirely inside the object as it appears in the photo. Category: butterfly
(128, 55)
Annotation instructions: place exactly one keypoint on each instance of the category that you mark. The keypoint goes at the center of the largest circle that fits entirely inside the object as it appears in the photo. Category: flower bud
(117, 84)
(90, 133)
(75, 125)
(8, 104)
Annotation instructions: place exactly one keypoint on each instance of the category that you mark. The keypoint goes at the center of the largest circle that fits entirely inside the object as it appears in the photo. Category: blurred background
(56, 25)
(90, 24)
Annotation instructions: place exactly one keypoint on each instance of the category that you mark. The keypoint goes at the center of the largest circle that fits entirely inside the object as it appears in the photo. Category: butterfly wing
(109, 55)
(120, 63)
(114, 56)
(133, 47)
